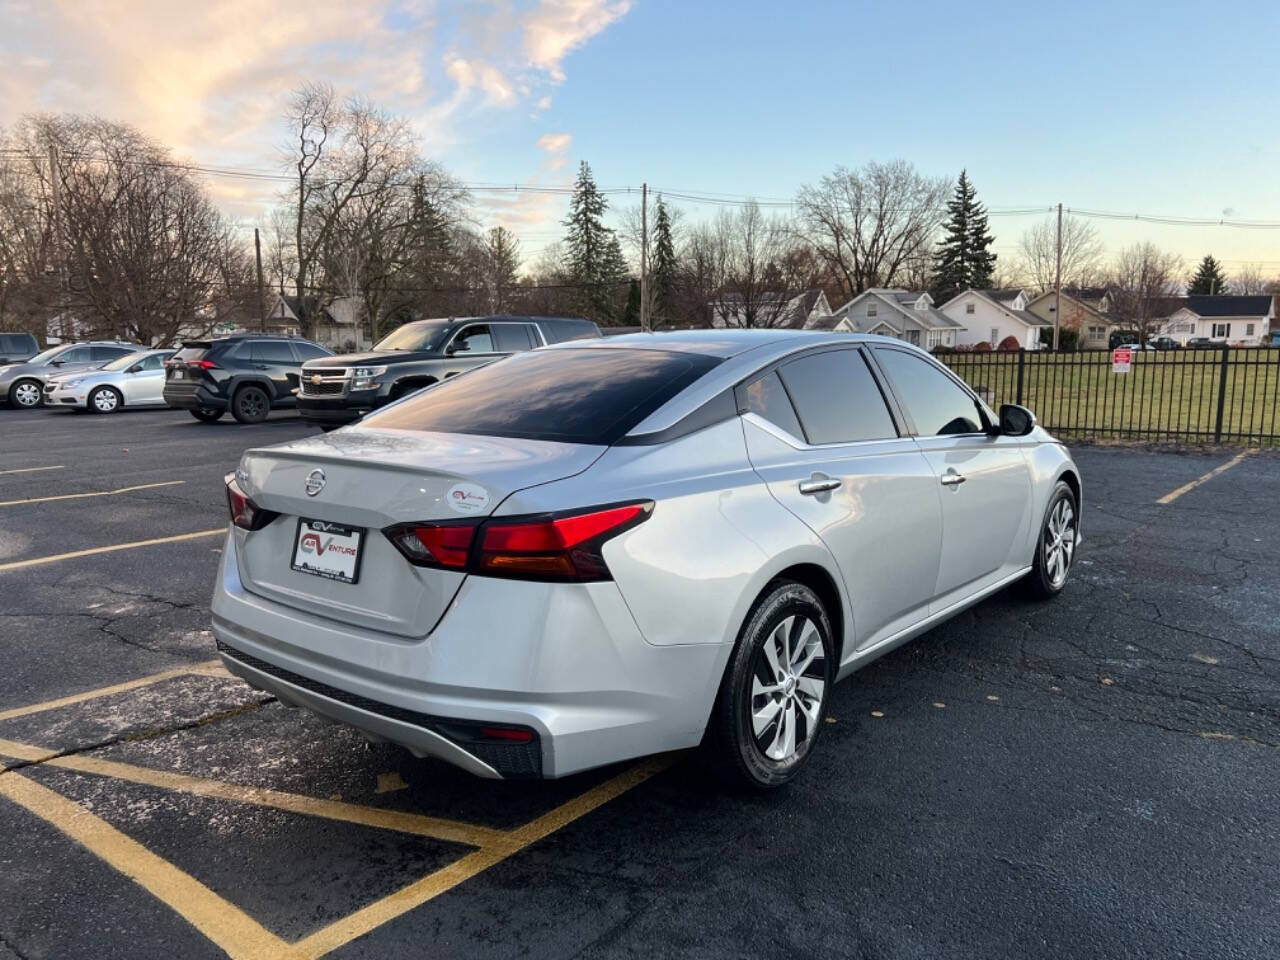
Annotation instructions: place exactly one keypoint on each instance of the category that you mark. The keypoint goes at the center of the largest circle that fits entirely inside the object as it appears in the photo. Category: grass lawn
(1169, 395)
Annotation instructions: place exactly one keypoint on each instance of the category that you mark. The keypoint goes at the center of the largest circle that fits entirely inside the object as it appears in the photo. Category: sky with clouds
(1125, 105)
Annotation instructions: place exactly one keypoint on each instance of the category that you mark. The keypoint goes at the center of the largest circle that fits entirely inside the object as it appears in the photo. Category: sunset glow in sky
(1161, 108)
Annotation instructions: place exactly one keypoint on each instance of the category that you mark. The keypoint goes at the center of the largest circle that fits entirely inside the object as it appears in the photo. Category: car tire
(773, 699)
(250, 405)
(1055, 545)
(25, 394)
(206, 414)
(105, 400)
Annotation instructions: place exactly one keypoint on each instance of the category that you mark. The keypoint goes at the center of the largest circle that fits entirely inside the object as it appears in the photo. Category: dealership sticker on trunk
(328, 550)
(467, 498)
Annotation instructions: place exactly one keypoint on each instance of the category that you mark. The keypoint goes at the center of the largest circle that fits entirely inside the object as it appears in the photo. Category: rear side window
(836, 398)
(309, 351)
(511, 337)
(573, 396)
(935, 402)
(110, 353)
(767, 398)
(271, 351)
(75, 355)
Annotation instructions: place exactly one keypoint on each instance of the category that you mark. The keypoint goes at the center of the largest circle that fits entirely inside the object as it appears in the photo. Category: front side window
(766, 398)
(935, 402)
(836, 398)
(590, 395)
(473, 339)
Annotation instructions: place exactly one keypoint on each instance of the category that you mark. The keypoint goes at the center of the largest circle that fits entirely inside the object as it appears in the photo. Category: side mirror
(1016, 421)
(136, 368)
(450, 350)
(55, 363)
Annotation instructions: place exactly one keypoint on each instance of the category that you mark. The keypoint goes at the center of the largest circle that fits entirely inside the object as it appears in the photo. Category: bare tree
(1143, 280)
(1082, 252)
(871, 225)
(1249, 280)
(756, 267)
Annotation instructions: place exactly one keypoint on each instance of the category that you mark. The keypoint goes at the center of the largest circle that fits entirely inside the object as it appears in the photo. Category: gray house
(905, 314)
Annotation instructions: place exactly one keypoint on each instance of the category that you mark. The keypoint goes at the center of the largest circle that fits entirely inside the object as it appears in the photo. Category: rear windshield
(190, 351)
(573, 396)
(423, 335)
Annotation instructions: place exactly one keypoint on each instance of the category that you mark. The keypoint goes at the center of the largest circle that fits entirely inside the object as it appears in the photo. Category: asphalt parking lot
(1095, 777)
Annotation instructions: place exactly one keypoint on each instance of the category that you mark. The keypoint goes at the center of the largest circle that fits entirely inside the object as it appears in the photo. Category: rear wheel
(1056, 548)
(250, 405)
(25, 394)
(105, 400)
(773, 698)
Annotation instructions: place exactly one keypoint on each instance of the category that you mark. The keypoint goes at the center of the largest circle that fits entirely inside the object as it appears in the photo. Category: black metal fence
(1227, 395)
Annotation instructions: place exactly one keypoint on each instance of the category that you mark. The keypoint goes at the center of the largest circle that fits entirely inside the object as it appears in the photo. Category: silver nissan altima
(606, 549)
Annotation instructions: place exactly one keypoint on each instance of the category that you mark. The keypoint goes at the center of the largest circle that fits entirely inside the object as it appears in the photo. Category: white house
(905, 314)
(1238, 320)
(990, 316)
(771, 309)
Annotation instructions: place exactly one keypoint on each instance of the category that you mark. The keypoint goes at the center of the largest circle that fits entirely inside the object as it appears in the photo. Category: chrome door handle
(952, 479)
(818, 483)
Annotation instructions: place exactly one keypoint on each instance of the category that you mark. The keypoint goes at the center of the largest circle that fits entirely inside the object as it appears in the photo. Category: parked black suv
(338, 390)
(249, 374)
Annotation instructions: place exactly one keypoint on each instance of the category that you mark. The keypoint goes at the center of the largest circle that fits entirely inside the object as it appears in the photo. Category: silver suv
(22, 384)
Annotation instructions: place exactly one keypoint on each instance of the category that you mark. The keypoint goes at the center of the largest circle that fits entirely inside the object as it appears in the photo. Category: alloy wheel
(1059, 541)
(787, 688)
(105, 401)
(26, 394)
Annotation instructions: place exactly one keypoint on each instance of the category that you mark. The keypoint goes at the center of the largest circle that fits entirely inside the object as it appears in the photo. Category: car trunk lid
(368, 480)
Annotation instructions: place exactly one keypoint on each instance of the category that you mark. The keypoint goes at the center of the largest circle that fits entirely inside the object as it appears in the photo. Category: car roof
(721, 343)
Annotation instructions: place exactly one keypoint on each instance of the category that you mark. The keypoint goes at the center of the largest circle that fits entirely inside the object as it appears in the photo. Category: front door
(984, 480)
(821, 436)
(472, 346)
(146, 385)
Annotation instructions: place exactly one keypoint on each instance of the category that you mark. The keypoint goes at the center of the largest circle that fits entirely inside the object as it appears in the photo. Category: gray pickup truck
(341, 389)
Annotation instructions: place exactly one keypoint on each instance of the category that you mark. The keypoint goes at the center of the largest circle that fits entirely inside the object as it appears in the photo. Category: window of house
(995, 336)
(871, 309)
(1222, 330)
(968, 308)
(1249, 329)
(1097, 333)
(913, 336)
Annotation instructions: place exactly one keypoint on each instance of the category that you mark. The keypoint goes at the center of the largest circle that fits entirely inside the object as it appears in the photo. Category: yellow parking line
(208, 666)
(98, 493)
(1188, 487)
(38, 561)
(221, 922)
(415, 894)
(30, 470)
(437, 828)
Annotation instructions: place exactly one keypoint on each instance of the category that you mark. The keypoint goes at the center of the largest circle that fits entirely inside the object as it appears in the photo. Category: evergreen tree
(964, 259)
(593, 255)
(631, 317)
(662, 281)
(501, 264)
(1209, 277)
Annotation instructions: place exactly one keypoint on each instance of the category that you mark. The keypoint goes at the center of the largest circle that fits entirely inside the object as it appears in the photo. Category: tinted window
(310, 351)
(109, 353)
(155, 361)
(425, 335)
(935, 401)
(191, 351)
(512, 336)
(574, 396)
(473, 339)
(271, 351)
(767, 398)
(17, 342)
(74, 355)
(836, 398)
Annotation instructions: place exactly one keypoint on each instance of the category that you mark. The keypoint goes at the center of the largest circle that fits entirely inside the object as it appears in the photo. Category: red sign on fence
(1121, 359)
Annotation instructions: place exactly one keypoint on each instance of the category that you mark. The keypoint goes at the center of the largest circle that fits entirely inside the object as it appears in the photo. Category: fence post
(1222, 394)
(1022, 362)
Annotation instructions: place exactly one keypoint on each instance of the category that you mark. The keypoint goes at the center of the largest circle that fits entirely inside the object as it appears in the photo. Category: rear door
(513, 337)
(823, 436)
(276, 360)
(984, 481)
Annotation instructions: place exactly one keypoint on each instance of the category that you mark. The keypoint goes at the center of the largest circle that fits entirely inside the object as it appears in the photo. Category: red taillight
(246, 514)
(202, 364)
(518, 734)
(434, 544)
(559, 547)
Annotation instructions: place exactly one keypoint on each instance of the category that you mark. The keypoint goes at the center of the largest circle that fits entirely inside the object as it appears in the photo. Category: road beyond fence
(1226, 395)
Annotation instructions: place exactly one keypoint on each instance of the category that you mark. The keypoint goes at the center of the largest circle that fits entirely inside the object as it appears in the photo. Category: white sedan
(134, 380)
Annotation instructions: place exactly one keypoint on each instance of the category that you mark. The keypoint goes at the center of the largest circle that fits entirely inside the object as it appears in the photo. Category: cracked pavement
(1093, 777)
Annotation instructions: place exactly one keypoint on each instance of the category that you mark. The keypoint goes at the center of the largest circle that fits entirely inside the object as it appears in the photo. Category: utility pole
(55, 192)
(1057, 285)
(262, 298)
(644, 257)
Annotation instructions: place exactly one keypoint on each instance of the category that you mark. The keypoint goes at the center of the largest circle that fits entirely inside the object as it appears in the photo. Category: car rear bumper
(193, 397)
(565, 661)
